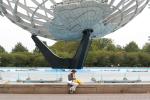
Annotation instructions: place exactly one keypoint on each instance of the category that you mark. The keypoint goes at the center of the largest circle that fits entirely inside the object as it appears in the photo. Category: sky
(137, 30)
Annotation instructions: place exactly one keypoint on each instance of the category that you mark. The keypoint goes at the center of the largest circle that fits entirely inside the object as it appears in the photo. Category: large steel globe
(66, 20)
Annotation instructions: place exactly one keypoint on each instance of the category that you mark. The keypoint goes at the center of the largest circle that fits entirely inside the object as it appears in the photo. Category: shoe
(71, 91)
(74, 92)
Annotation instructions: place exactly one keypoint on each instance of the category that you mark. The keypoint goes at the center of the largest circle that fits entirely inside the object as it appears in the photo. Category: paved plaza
(74, 96)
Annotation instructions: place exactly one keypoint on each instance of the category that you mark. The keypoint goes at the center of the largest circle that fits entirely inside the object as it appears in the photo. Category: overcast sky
(137, 30)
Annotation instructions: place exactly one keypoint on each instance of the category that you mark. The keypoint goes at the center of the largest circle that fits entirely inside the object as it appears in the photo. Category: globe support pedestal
(67, 63)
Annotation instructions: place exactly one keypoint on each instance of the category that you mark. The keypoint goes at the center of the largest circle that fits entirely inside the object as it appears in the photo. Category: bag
(77, 81)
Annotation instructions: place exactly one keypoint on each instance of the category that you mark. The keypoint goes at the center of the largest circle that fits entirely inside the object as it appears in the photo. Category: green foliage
(117, 58)
(39, 61)
(64, 48)
(111, 47)
(102, 53)
(102, 44)
(144, 59)
(119, 48)
(2, 50)
(131, 59)
(146, 48)
(21, 59)
(19, 48)
(6, 60)
(131, 47)
(36, 50)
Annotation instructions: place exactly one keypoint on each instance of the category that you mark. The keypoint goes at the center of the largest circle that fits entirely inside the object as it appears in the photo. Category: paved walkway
(75, 97)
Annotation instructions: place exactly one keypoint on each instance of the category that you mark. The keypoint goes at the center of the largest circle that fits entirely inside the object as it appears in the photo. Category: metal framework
(31, 15)
(76, 62)
(70, 20)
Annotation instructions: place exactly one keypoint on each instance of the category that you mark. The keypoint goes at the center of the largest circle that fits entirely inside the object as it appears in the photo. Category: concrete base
(82, 89)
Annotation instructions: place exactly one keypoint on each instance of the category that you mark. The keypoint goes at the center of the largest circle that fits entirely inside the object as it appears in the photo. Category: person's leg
(70, 84)
(74, 86)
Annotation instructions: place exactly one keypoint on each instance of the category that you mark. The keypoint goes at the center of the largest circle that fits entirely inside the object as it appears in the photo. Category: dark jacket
(70, 77)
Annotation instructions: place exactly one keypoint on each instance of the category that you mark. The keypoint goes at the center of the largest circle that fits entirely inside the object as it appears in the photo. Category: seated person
(72, 81)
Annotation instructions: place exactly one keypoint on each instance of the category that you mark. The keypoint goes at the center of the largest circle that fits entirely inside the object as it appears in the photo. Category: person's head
(73, 71)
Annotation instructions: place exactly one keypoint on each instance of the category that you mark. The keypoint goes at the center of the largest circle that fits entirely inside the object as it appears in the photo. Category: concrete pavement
(74, 96)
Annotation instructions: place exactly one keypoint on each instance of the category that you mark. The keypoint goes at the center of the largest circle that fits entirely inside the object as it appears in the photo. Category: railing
(111, 75)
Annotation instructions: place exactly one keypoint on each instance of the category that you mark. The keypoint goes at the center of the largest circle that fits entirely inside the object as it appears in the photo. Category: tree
(19, 48)
(146, 47)
(119, 48)
(64, 46)
(36, 50)
(131, 47)
(94, 45)
(39, 61)
(21, 59)
(102, 44)
(132, 59)
(2, 50)
(111, 47)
